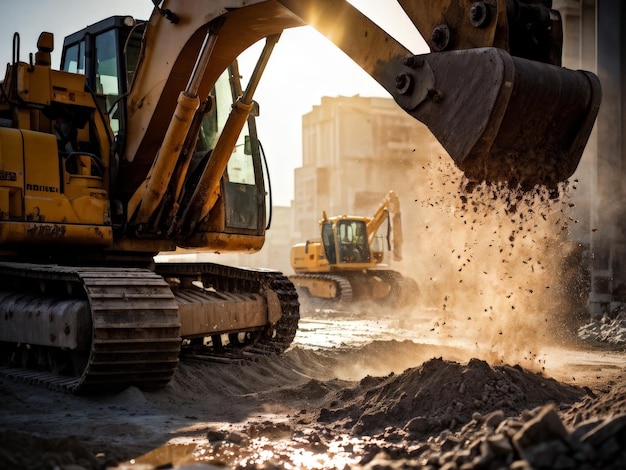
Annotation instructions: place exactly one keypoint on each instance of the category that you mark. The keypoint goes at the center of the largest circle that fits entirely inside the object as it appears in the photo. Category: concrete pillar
(608, 211)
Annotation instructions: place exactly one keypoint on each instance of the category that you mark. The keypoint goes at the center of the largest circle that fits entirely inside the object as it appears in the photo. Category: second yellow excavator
(344, 266)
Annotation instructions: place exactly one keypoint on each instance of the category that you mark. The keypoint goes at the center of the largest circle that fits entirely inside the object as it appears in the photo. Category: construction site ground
(381, 389)
(498, 365)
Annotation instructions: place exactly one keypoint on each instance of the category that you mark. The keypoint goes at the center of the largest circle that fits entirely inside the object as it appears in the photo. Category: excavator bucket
(501, 118)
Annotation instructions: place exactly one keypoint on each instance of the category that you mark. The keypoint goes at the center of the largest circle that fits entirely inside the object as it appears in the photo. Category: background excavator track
(342, 288)
(354, 286)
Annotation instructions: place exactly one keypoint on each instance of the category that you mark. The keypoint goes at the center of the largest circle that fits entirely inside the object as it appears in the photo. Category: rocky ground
(375, 399)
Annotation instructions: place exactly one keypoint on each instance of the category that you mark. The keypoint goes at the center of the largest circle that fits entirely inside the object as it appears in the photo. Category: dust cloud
(495, 265)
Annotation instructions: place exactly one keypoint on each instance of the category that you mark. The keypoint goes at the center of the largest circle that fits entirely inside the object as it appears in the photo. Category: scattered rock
(605, 330)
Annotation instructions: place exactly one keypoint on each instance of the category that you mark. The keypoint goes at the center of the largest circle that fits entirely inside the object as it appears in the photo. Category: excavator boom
(493, 93)
(388, 207)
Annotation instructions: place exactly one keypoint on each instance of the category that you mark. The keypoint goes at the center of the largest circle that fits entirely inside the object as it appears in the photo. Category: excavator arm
(389, 207)
(492, 91)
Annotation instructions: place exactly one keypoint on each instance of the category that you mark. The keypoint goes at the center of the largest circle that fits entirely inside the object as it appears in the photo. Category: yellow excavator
(144, 141)
(343, 266)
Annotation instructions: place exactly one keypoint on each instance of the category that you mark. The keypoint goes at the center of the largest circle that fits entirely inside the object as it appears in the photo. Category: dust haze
(495, 267)
(378, 390)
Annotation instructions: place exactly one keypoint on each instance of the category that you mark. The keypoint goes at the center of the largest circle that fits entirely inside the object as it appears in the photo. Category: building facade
(354, 150)
(595, 39)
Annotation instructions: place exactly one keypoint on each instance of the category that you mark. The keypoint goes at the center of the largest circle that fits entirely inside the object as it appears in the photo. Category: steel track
(134, 327)
(274, 338)
(344, 290)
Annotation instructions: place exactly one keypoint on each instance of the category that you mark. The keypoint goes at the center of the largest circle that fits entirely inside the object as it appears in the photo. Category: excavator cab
(353, 247)
(108, 53)
(345, 242)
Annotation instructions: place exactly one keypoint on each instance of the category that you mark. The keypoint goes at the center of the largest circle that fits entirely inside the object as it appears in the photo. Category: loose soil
(387, 390)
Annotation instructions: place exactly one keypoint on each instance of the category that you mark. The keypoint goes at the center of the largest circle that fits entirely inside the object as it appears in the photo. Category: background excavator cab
(349, 240)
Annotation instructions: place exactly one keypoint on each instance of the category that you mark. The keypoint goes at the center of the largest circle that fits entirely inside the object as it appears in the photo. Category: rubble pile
(441, 395)
(537, 439)
(610, 329)
(446, 415)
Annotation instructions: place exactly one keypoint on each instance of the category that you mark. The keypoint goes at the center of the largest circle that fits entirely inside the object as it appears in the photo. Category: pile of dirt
(441, 395)
(442, 414)
(447, 415)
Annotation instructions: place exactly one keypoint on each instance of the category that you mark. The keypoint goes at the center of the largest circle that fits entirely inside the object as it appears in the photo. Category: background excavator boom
(389, 207)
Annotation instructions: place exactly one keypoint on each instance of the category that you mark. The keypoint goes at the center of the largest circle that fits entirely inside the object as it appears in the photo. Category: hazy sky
(303, 68)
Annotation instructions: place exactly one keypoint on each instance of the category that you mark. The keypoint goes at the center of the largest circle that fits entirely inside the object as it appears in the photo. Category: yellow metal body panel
(41, 85)
(11, 174)
(309, 258)
(41, 202)
(319, 288)
(43, 197)
(41, 165)
(225, 242)
(55, 234)
(34, 84)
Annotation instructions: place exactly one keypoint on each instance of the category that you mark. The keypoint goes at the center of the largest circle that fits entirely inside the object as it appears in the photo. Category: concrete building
(595, 39)
(354, 150)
